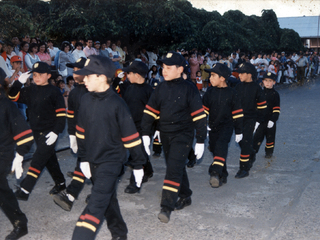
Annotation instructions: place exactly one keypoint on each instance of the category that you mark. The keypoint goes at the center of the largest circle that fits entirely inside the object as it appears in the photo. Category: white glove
(85, 169)
(73, 143)
(256, 127)
(17, 165)
(270, 124)
(239, 137)
(24, 77)
(209, 129)
(121, 75)
(146, 143)
(198, 150)
(51, 138)
(157, 134)
(138, 175)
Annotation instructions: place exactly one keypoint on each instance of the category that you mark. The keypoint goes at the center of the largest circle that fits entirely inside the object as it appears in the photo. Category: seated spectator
(24, 47)
(32, 57)
(52, 51)
(7, 54)
(65, 56)
(104, 51)
(43, 53)
(97, 47)
(70, 84)
(153, 72)
(89, 50)
(78, 51)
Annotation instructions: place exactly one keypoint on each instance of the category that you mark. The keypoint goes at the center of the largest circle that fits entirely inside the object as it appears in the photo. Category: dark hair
(60, 81)
(45, 45)
(69, 78)
(31, 46)
(64, 44)
(22, 45)
(78, 44)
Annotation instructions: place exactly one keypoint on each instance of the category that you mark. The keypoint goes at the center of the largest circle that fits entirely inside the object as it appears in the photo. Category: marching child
(13, 131)
(47, 115)
(268, 127)
(104, 131)
(254, 105)
(222, 105)
(178, 106)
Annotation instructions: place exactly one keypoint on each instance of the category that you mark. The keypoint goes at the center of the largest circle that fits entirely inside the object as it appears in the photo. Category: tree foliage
(164, 23)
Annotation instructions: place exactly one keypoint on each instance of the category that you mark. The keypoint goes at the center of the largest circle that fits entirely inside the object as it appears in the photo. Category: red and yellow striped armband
(206, 109)
(237, 114)
(199, 114)
(70, 114)
(276, 110)
(131, 141)
(23, 137)
(262, 105)
(61, 112)
(152, 112)
(80, 132)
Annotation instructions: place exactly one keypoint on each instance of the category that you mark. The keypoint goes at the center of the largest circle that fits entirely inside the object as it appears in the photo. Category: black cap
(221, 69)
(173, 58)
(3, 76)
(41, 67)
(270, 75)
(137, 67)
(97, 64)
(247, 68)
(78, 64)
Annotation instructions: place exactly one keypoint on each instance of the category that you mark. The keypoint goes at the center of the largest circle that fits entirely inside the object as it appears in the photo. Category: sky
(282, 8)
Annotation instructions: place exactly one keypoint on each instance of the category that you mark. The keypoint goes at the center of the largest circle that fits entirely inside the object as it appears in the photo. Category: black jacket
(253, 101)
(47, 111)
(178, 106)
(105, 130)
(273, 104)
(13, 130)
(224, 108)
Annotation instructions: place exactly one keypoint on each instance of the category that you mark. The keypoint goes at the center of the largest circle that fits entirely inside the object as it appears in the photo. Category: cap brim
(168, 62)
(70, 65)
(127, 69)
(84, 72)
(210, 70)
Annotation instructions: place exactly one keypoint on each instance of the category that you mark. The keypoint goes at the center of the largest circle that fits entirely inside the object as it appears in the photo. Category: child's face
(95, 83)
(62, 85)
(133, 77)
(16, 65)
(216, 80)
(245, 77)
(41, 79)
(76, 77)
(198, 74)
(171, 72)
(268, 83)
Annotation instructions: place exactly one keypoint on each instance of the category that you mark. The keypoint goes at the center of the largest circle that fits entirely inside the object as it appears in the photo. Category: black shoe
(268, 155)
(191, 163)
(182, 202)
(224, 179)
(156, 154)
(70, 174)
(119, 238)
(57, 188)
(131, 189)
(215, 180)
(21, 195)
(164, 215)
(87, 199)
(242, 174)
(146, 177)
(62, 200)
(17, 233)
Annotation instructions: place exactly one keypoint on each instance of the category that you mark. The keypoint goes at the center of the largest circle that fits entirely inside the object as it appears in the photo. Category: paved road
(279, 200)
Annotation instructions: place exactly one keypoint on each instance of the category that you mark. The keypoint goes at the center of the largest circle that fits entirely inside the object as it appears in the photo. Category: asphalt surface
(278, 200)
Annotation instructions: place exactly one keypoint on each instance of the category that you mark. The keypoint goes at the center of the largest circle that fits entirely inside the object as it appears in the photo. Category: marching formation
(113, 117)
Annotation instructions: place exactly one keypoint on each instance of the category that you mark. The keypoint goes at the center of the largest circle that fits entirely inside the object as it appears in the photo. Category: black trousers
(300, 74)
(44, 156)
(246, 144)
(176, 148)
(8, 201)
(264, 132)
(103, 203)
(219, 142)
(77, 183)
(157, 146)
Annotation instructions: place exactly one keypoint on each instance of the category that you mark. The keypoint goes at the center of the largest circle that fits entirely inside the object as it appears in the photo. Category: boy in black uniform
(178, 104)
(47, 114)
(13, 131)
(136, 94)
(222, 105)
(66, 198)
(104, 131)
(254, 105)
(268, 127)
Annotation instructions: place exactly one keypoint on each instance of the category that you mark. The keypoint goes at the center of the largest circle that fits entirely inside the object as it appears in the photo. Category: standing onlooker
(24, 47)
(43, 53)
(16, 45)
(205, 74)
(78, 51)
(194, 66)
(302, 64)
(315, 61)
(115, 56)
(32, 57)
(52, 51)
(122, 55)
(89, 50)
(152, 57)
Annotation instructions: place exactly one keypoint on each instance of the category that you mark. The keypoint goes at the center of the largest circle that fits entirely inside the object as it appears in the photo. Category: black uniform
(254, 105)
(104, 131)
(179, 106)
(13, 131)
(273, 112)
(224, 110)
(47, 113)
(74, 99)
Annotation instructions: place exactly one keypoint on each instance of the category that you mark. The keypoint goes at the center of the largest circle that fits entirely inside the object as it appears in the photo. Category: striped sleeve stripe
(81, 136)
(206, 112)
(131, 137)
(276, 108)
(205, 108)
(237, 111)
(61, 114)
(78, 173)
(25, 141)
(170, 189)
(70, 111)
(152, 109)
(91, 218)
(276, 111)
(78, 179)
(262, 103)
(70, 116)
(262, 107)
(86, 225)
(199, 117)
(150, 113)
(219, 158)
(15, 98)
(79, 129)
(22, 134)
(171, 183)
(196, 112)
(133, 144)
(218, 163)
(35, 170)
(238, 116)
(60, 110)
